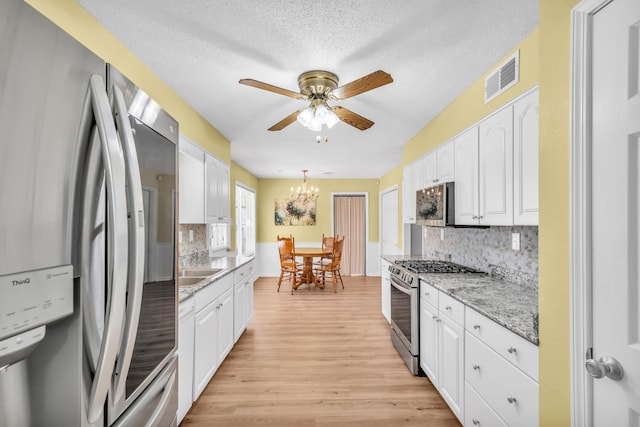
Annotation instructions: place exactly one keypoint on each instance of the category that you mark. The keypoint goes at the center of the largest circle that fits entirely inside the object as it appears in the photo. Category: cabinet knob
(511, 399)
(476, 367)
(474, 217)
(476, 326)
(426, 294)
(475, 422)
(434, 317)
(448, 307)
(511, 350)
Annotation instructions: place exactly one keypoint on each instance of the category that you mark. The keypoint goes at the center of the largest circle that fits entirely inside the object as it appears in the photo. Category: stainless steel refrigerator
(88, 297)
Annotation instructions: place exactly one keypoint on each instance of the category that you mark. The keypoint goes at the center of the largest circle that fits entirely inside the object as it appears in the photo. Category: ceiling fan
(318, 87)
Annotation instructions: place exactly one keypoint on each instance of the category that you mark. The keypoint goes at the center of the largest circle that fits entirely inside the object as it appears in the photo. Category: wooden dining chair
(288, 265)
(327, 243)
(332, 267)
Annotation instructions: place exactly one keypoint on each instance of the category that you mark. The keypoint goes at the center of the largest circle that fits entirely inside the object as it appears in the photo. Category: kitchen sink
(198, 272)
(189, 281)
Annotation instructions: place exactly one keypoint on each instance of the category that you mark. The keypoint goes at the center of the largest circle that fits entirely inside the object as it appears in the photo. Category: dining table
(308, 254)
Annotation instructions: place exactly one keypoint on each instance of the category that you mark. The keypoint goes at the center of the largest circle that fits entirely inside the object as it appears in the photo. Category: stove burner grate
(434, 266)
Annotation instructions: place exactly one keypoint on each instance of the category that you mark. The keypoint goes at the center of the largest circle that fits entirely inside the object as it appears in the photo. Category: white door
(615, 187)
(389, 221)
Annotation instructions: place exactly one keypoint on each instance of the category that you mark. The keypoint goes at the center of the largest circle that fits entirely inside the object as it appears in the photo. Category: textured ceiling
(433, 49)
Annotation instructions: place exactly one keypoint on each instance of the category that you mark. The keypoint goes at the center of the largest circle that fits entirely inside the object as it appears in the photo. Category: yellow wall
(470, 108)
(271, 189)
(72, 18)
(555, 29)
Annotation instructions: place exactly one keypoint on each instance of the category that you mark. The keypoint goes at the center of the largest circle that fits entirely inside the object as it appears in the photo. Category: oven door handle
(396, 283)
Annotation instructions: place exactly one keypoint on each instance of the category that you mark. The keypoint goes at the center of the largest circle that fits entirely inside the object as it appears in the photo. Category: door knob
(605, 366)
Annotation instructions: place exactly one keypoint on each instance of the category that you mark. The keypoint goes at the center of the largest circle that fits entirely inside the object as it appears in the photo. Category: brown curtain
(349, 218)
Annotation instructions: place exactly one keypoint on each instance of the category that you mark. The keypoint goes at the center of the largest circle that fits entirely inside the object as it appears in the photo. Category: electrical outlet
(179, 236)
(515, 241)
(442, 234)
(191, 235)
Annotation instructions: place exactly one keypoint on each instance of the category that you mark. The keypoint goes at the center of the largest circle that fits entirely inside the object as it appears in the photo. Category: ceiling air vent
(505, 76)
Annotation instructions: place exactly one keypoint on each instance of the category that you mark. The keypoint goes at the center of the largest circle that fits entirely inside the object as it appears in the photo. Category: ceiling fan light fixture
(331, 119)
(315, 124)
(305, 116)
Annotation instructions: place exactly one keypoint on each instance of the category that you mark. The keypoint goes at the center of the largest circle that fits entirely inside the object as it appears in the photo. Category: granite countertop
(226, 264)
(508, 303)
(511, 305)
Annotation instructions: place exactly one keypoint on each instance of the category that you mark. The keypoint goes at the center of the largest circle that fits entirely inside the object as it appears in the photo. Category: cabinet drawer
(244, 271)
(212, 291)
(477, 413)
(509, 392)
(509, 345)
(452, 308)
(429, 293)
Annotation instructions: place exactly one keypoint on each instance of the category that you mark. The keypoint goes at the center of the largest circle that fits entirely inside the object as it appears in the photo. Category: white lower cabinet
(508, 391)
(186, 339)
(442, 345)
(486, 373)
(243, 279)
(385, 282)
(213, 330)
(477, 412)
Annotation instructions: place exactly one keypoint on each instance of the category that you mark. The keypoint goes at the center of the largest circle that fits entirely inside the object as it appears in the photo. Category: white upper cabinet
(408, 196)
(496, 169)
(191, 182)
(484, 172)
(526, 114)
(418, 176)
(466, 177)
(217, 202)
(439, 165)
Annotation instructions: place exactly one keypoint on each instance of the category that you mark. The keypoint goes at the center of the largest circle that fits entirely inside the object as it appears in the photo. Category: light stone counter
(511, 305)
(227, 264)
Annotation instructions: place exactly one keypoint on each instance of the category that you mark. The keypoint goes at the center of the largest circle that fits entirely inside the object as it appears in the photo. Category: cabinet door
(526, 115)
(429, 341)
(445, 163)
(212, 188)
(249, 297)
(430, 166)
(418, 176)
(224, 199)
(451, 368)
(186, 341)
(239, 309)
(466, 173)
(225, 324)
(496, 169)
(205, 348)
(191, 187)
(408, 196)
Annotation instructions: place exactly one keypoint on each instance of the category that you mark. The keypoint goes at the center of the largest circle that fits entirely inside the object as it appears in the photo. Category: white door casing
(605, 209)
(389, 221)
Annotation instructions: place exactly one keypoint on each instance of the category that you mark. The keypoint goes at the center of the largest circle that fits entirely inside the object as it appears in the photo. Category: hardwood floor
(316, 358)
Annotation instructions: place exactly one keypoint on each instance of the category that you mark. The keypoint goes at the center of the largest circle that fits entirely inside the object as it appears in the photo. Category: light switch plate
(442, 234)
(515, 241)
(191, 235)
(179, 236)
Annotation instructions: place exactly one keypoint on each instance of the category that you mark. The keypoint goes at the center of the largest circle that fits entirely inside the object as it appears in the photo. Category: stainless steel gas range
(405, 303)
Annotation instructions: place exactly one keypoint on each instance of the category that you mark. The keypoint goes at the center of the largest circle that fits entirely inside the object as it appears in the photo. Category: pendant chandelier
(305, 193)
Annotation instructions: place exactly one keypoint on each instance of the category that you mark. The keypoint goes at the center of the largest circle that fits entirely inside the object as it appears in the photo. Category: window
(218, 238)
(245, 220)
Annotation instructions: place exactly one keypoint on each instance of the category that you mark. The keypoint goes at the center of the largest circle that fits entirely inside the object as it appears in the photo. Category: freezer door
(43, 81)
(157, 406)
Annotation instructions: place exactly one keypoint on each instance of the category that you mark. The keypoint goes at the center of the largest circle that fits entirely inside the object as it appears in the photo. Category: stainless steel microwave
(435, 205)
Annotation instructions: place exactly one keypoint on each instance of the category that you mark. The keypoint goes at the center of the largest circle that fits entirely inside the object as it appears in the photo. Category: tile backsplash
(190, 252)
(486, 249)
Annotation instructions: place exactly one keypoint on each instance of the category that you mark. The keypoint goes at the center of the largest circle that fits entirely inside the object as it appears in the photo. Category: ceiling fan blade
(286, 121)
(363, 84)
(351, 118)
(272, 88)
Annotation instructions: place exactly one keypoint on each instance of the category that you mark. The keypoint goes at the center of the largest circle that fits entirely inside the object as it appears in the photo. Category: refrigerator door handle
(117, 244)
(136, 243)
